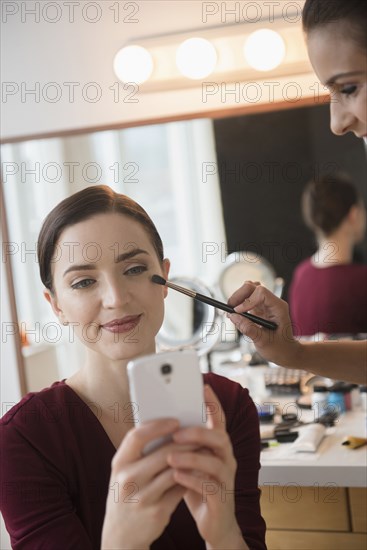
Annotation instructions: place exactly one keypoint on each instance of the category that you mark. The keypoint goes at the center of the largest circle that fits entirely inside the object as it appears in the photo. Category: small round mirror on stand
(188, 323)
(248, 266)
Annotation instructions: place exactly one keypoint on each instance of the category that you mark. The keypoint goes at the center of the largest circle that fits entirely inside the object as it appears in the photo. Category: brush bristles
(158, 279)
(161, 281)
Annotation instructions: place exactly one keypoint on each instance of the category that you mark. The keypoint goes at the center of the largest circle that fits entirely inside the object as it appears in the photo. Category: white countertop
(333, 464)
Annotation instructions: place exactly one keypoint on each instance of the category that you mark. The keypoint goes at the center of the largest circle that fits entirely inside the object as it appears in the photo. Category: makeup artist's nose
(115, 294)
(341, 119)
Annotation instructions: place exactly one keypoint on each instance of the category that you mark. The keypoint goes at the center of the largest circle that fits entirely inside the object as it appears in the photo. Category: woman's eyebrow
(334, 78)
(131, 254)
(120, 258)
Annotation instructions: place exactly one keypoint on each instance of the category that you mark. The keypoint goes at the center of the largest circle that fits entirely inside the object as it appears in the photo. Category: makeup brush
(215, 303)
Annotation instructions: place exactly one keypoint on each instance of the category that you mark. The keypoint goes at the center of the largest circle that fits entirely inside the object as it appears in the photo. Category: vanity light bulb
(133, 64)
(196, 58)
(264, 50)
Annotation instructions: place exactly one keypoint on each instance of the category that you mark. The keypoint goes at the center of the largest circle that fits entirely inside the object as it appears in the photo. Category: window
(160, 166)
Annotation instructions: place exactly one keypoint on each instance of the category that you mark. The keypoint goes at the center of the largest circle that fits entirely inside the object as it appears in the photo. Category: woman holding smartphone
(337, 47)
(74, 472)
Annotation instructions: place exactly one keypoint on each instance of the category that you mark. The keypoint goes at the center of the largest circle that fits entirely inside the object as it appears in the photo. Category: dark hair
(82, 206)
(319, 13)
(327, 201)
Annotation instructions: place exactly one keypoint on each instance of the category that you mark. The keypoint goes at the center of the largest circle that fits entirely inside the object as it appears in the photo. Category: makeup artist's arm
(341, 360)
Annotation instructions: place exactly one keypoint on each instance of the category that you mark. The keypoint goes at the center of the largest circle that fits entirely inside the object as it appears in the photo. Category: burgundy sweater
(56, 464)
(331, 299)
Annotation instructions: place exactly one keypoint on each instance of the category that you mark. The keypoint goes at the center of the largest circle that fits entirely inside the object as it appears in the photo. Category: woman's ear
(353, 213)
(357, 220)
(52, 300)
(165, 269)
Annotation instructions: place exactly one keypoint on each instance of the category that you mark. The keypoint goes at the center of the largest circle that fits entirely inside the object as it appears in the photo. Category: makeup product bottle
(356, 396)
(348, 396)
(319, 400)
(336, 398)
(363, 393)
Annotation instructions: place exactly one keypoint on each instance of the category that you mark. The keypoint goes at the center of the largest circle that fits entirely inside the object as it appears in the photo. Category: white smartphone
(165, 385)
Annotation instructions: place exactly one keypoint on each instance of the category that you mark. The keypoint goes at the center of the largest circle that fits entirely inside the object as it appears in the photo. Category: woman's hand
(208, 474)
(143, 492)
(278, 346)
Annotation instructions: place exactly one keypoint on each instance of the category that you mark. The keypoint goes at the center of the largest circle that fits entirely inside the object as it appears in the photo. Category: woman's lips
(126, 324)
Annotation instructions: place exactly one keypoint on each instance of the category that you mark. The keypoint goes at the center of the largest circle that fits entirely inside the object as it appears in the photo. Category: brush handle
(225, 307)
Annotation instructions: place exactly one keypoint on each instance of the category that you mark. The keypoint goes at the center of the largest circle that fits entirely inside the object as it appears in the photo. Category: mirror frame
(212, 114)
(196, 342)
(12, 300)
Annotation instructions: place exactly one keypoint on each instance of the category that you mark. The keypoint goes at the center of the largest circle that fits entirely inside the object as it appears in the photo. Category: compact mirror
(248, 266)
(187, 322)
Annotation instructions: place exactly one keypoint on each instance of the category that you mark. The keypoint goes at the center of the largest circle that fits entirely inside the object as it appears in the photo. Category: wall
(37, 52)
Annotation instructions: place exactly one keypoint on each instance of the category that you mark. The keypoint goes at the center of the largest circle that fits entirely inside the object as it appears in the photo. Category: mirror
(248, 266)
(240, 267)
(192, 177)
(187, 322)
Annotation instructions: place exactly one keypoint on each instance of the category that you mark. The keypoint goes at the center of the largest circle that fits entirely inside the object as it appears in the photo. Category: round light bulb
(264, 50)
(196, 58)
(133, 64)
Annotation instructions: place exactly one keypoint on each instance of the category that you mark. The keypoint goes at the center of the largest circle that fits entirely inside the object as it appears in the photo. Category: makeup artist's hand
(142, 492)
(208, 474)
(278, 346)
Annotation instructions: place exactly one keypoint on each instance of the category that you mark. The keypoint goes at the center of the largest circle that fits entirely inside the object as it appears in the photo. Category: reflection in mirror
(159, 166)
(187, 322)
(182, 327)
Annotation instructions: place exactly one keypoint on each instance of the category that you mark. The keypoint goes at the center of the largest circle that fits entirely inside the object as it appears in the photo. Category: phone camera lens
(166, 369)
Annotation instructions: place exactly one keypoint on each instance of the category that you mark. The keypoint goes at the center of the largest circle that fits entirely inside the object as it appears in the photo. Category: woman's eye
(82, 284)
(348, 90)
(136, 270)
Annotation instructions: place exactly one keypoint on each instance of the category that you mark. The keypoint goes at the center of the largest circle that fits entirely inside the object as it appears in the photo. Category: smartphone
(168, 384)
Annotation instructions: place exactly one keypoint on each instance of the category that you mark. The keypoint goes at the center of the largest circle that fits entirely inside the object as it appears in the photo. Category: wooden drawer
(303, 540)
(305, 508)
(358, 509)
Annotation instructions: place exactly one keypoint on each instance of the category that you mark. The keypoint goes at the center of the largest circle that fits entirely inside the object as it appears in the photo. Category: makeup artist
(337, 47)
(328, 290)
(73, 472)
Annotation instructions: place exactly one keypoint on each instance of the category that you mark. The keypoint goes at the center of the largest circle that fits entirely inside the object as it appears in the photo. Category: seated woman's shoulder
(34, 405)
(233, 397)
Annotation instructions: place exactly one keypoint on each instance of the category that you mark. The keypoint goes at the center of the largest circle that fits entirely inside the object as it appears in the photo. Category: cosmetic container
(319, 400)
(348, 388)
(363, 397)
(336, 399)
(356, 396)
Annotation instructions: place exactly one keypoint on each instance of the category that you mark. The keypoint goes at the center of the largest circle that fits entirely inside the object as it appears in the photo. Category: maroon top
(56, 465)
(332, 299)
